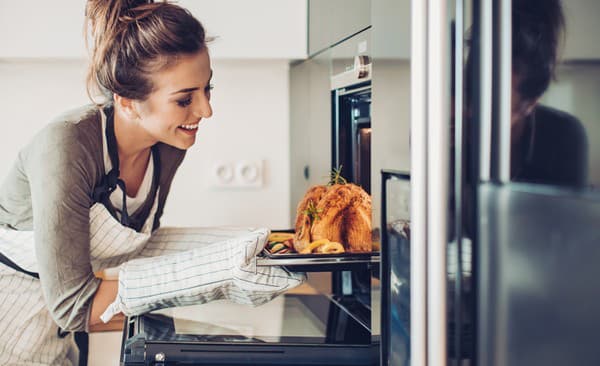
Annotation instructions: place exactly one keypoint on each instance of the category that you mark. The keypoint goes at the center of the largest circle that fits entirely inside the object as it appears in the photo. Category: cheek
(170, 117)
(177, 115)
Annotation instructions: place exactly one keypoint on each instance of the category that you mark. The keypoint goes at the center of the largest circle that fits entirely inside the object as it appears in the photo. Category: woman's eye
(208, 88)
(184, 102)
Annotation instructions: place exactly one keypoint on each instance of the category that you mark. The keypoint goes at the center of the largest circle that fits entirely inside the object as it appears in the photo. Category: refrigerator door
(539, 251)
(535, 184)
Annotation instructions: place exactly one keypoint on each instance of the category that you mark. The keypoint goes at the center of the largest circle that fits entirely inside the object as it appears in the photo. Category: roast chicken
(340, 213)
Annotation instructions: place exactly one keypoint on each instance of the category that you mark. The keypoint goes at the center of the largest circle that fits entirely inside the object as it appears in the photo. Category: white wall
(267, 29)
(31, 94)
(251, 121)
(390, 114)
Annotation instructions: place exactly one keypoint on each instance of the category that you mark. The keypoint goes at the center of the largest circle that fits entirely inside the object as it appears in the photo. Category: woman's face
(180, 99)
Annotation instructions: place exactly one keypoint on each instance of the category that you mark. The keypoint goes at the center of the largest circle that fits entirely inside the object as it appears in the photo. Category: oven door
(292, 329)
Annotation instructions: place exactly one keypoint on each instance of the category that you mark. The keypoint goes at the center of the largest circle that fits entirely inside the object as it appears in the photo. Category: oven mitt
(221, 270)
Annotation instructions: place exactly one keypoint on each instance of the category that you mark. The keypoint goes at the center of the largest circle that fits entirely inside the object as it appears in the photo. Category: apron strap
(82, 340)
(111, 180)
(5, 260)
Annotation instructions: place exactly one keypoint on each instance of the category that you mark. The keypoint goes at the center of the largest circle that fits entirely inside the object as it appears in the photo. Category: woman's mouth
(188, 129)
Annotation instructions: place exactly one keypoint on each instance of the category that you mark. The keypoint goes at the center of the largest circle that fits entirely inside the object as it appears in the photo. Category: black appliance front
(351, 153)
(351, 133)
(305, 330)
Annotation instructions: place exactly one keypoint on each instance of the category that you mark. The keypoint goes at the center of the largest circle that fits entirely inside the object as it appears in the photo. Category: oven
(351, 122)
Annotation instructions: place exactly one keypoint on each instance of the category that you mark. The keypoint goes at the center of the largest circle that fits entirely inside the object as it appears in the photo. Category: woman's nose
(203, 108)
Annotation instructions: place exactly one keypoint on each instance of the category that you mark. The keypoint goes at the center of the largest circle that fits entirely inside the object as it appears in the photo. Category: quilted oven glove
(221, 270)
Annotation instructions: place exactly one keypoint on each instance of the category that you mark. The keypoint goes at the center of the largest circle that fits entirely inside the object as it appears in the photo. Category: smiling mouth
(189, 127)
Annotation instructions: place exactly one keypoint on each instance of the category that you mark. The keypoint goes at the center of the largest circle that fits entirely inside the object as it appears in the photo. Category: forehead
(188, 71)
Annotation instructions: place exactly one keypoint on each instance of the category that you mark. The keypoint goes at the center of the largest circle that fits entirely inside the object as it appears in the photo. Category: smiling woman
(115, 158)
(172, 112)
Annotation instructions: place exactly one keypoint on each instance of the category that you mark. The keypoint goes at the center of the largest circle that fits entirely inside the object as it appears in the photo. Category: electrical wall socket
(238, 174)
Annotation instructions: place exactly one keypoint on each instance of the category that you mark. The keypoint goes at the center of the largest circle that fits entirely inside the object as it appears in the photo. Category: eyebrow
(187, 90)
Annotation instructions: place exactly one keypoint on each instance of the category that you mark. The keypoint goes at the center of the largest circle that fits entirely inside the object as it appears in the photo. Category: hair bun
(140, 11)
(124, 49)
(131, 4)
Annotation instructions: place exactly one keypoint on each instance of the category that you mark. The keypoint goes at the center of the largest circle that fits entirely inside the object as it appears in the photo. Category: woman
(151, 63)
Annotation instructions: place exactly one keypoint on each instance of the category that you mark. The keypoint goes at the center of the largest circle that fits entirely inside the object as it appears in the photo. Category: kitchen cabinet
(331, 21)
(310, 125)
(256, 29)
(259, 29)
(391, 23)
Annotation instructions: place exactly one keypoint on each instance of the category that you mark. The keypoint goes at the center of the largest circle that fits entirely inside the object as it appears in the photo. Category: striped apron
(28, 334)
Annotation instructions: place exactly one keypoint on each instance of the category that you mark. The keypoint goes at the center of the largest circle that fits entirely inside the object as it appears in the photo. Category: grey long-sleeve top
(49, 190)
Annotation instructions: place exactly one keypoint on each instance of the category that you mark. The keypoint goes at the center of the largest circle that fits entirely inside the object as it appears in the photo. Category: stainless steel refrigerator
(503, 245)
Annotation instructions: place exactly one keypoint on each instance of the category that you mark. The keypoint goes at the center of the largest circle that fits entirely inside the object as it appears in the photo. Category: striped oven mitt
(220, 270)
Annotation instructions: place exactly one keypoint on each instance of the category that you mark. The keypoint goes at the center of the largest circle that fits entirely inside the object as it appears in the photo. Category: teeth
(189, 127)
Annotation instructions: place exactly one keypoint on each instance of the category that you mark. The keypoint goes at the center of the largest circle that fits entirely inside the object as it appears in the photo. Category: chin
(185, 145)
(181, 145)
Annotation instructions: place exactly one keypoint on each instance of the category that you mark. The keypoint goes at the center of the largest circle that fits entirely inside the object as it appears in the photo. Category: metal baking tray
(319, 262)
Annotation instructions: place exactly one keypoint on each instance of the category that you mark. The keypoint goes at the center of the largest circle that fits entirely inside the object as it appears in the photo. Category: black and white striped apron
(28, 334)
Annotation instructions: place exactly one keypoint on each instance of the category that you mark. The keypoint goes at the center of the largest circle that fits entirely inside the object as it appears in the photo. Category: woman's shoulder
(74, 134)
(79, 126)
(84, 118)
(559, 124)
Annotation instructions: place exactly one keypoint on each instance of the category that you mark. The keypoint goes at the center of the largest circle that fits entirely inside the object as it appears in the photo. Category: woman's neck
(133, 141)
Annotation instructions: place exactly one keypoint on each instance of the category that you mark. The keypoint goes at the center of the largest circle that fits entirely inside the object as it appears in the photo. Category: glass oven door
(292, 329)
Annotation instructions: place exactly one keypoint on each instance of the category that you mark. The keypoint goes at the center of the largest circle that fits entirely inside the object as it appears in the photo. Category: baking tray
(319, 262)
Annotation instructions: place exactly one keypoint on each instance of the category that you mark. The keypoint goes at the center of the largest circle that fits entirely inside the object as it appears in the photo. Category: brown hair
(132, 38)
(538, 29)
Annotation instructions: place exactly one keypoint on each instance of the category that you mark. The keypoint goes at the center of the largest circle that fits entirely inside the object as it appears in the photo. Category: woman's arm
(105, 295)
(60, 169)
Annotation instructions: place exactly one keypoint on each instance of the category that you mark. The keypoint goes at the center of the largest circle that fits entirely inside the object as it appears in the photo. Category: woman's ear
(127, 106)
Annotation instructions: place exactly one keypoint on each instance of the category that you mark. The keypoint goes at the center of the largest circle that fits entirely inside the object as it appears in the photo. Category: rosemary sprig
(335, 177)
(312, 212)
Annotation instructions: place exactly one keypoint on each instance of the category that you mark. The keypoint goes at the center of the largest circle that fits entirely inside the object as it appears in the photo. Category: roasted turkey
(304, 220)
(340, 213)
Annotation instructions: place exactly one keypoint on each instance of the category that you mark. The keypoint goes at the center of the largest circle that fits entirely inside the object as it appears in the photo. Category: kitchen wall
(391, 124)
(250, 122)
(390, 108)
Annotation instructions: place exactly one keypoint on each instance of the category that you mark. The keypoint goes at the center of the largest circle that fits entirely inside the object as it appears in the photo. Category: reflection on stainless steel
(223, 317)
(535, 241)
(297, 318)
(538, 301)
